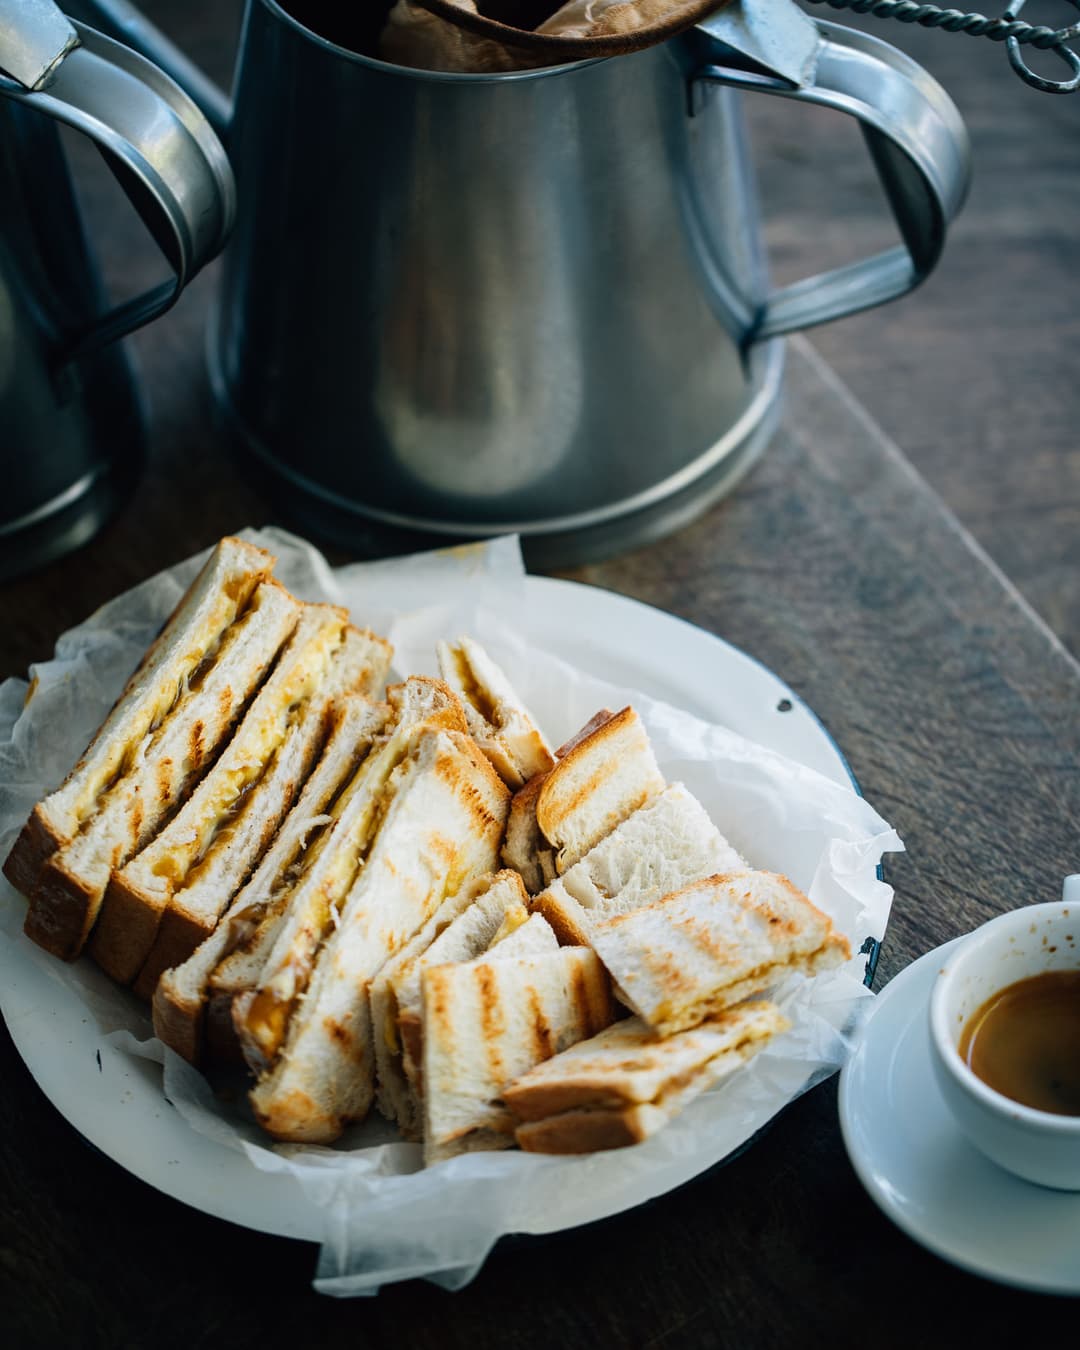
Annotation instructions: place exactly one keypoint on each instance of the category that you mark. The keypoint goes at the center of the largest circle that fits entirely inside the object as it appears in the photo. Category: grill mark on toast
(591, 785)
(341, 1033)
(698, 933)
(164, 782)
(580, 993)
(787, 924)
(543, 1038)
(666, 971)
(197, 744)
(444, 848)
(491, 1019)
(436, 991)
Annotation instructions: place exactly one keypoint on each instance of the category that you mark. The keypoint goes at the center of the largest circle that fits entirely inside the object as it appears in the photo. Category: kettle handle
(163, 152)
(919, 147)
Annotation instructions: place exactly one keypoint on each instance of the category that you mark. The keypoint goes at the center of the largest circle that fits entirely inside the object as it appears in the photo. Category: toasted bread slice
(260, 1015)
(194, 909)
(489, 1021)
(689, 955)
(460, 929)
(602, 780)
(419, 700)
(191, 636)
(369, 656)
(531, 935)
(139, 893)
(661, 847)
(179, 1003)
(251, 821)
(165, 767)
(392, 1090)
(501, 726)
(624, 1084)
(444, 817)
(526, 849)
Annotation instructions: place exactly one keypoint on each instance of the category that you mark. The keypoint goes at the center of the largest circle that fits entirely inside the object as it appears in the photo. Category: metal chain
(956, 21)
(1008, 29)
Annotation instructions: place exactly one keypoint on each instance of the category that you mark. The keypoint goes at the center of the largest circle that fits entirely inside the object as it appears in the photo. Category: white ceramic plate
(919, 1168)
(115, 1101)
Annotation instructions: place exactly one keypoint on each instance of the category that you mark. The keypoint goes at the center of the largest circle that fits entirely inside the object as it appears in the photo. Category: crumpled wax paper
(385, 1217)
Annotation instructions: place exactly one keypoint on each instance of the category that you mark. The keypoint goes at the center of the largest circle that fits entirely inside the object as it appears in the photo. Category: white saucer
(919, 1168)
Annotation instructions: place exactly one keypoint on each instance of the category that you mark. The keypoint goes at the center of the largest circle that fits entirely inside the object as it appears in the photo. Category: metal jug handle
(918, 144)
(161, 149)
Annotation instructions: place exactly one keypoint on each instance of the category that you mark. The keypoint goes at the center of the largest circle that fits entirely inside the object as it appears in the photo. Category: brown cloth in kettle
(453, 35)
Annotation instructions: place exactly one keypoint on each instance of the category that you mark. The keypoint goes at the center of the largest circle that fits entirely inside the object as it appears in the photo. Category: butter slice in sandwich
(180, 998)
(158, 773)
(500, 724)
(244, 826)
(662, 847)
(220, 591)
(419, 700)
(691, 954)
(442, 822)
(487, 1022)
(139, 893)
(260, 1015)
(626, 1083)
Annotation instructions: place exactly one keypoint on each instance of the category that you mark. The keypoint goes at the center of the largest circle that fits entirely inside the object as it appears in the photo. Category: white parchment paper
(385, 1217)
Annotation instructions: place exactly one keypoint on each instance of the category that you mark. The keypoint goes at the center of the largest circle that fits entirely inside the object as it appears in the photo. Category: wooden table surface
(837, 565)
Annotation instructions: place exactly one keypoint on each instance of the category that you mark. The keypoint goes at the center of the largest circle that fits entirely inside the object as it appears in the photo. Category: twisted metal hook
(1010, 29)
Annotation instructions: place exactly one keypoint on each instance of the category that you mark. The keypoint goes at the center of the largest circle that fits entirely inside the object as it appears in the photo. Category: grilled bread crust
(663, 846)
(140, 893)
(525, 848)
(179, 1004)
(623, 1085)
(461, 928)
(211, 603)
(443, 824)
(165, 767)
(605, 778)
(690, 954)
(486, 1022)
(193, 911)
(498, 721)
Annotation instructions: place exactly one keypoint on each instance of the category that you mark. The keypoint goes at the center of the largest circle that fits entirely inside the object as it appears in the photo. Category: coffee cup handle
(919, 147)
(162, 151)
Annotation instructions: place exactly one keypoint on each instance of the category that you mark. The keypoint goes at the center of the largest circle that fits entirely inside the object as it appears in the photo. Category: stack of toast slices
(401, 896)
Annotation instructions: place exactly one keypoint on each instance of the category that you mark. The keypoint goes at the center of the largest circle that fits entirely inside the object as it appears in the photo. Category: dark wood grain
(837, 566)
(974, 373)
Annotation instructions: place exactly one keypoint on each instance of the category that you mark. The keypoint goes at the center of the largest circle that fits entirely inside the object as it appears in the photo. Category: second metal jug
(71, 433)
(458, 305)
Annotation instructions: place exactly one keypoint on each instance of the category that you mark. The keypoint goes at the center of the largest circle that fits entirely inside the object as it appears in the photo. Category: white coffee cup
(1038, 1145)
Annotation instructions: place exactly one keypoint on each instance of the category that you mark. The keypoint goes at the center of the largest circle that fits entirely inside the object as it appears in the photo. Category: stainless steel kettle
(71, 436)
(458, 305)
